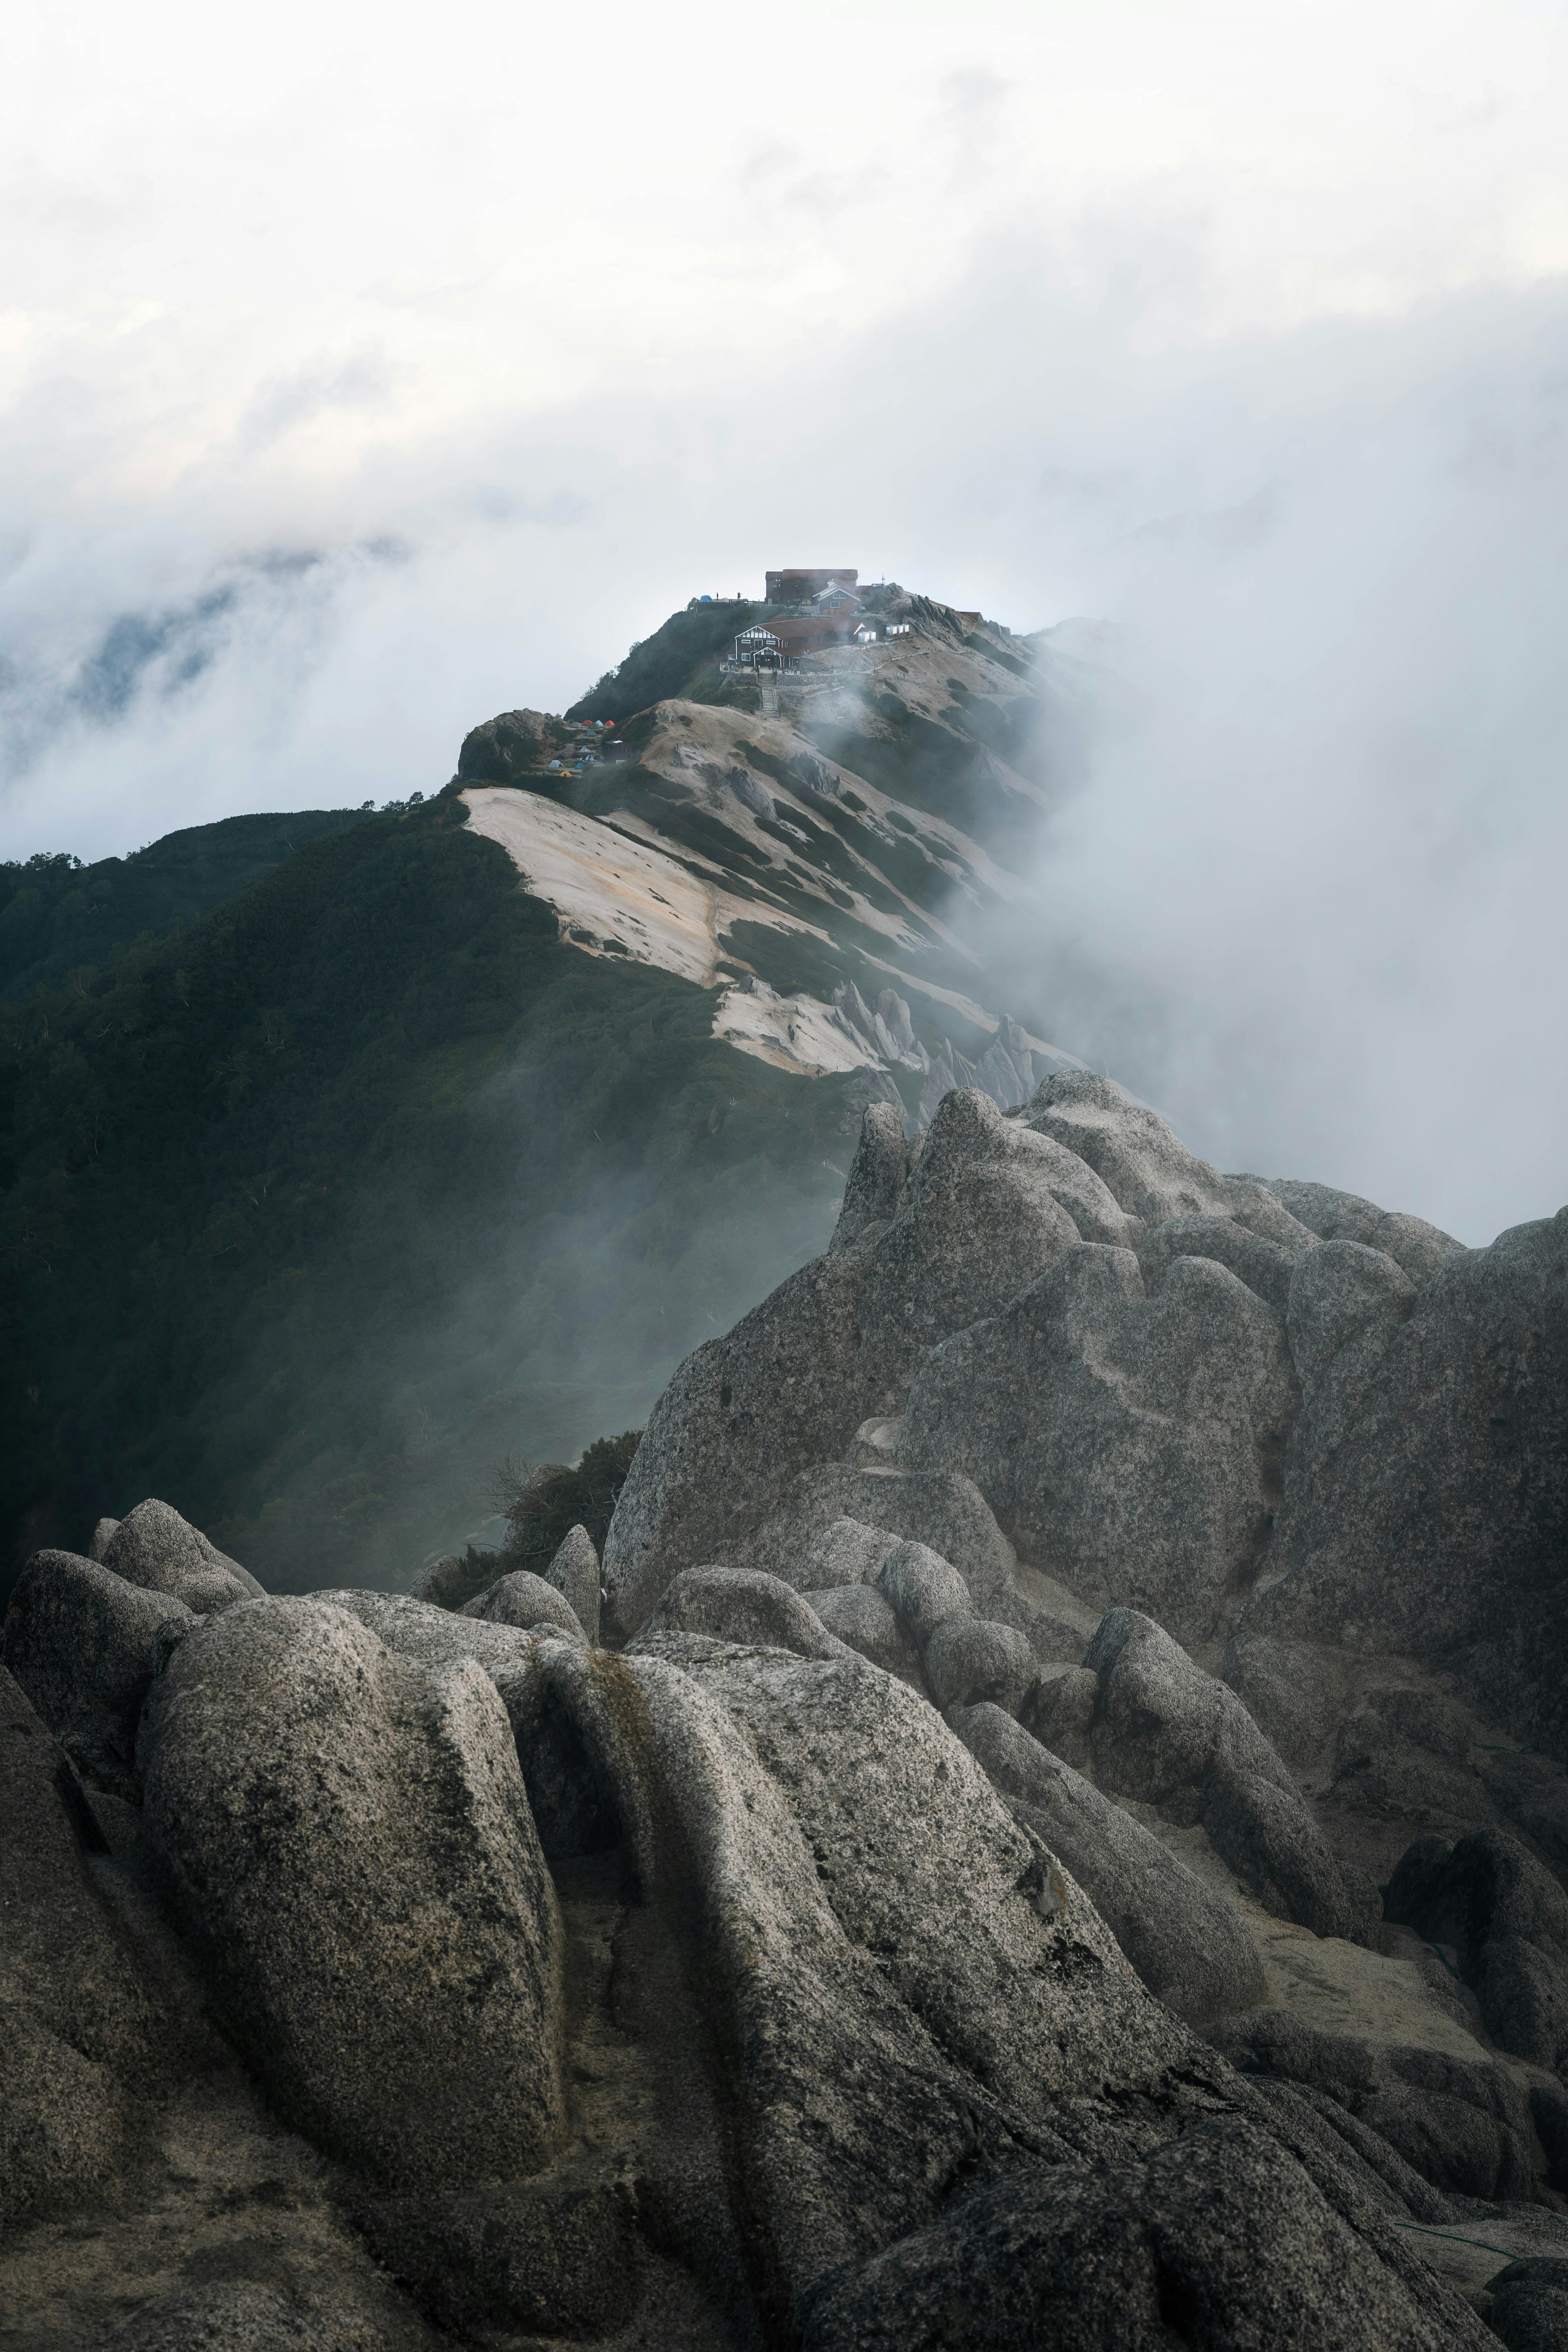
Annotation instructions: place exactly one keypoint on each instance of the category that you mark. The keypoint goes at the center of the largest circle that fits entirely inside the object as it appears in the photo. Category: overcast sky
(364, 372)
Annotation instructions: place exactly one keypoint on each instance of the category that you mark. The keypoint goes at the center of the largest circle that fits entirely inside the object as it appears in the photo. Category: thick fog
(364, 375)
(1311, 901)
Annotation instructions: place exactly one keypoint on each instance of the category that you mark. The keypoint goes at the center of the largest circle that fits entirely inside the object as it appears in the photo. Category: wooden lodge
(760, 648)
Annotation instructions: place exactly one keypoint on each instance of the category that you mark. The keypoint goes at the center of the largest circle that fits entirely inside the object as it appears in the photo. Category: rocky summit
(1045, 1828)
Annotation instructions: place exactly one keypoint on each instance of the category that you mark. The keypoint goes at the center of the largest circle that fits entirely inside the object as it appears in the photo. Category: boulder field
(1048, 1827)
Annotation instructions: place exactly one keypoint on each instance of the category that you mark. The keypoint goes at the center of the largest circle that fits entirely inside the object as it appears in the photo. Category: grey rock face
(968, 1660)
(875, 1444)
(1294, 1691)
(1058, 1711)
(1426, 1514)
(1345, 1304)
(102, 1536)
(1186, 1941)
(981, 1222)
(900, 1983)
(521, 1598)
(1378, 2166)
(574, 1571)
(78, 2036)
(1162, 1728)
(944, 1512)
(1529, 2306)
(241, 2317)
(737, 1604)
(845, 1552)
(82, 1643)
(1462, 2124)
(1130, 1445)
(861, 1619)
(877, 1174)
(1166, 1732)
(1418, 1248)
(741, 1417)
(922, 1864)
(1404, 1751)
(1264, 1264)
(1507, 1919)
(432, 1636)
(1257, 1208)
(1139, 2256)
(154, 1547)
(347, 1840)
(1150, 1173)
(922, 1590)
(750, 792)
(559, 2260)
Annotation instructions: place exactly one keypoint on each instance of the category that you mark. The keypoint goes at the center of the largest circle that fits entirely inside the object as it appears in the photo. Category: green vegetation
(668, 663)
(315, 1210)
(543, 1505)
(58, 914)
(329, 1175)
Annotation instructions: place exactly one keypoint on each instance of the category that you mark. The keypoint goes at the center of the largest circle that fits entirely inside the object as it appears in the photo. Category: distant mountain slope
(826, 836)
(56, 914)
(446, 1138)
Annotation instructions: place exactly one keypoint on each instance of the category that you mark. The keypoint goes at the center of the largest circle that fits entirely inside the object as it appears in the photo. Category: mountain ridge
(283, 1229)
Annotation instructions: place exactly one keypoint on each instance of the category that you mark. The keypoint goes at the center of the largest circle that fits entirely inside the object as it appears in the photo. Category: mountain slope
(844, 842)
(58, 914)
(445, 1139)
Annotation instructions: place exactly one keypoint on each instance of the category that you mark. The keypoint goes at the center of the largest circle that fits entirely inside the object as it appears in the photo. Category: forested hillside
(58, 914)
(319, 1210)
(332, 1183)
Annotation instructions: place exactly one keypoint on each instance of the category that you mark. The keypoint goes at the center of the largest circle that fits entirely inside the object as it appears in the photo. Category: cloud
(361, 381)
(1308, 901)
(1243, 328)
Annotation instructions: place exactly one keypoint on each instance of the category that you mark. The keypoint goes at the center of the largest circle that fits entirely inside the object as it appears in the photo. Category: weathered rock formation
(1065, 1841)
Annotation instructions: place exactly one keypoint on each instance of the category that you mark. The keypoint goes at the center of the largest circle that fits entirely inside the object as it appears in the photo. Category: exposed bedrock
(1186, 1941)
(574, 1573)
(1426, 1502)
(878, 1175)
(1130, 1445)
(1462, 2124)
(82, 1643)
(346, 1838)
(1505, 1919)
(1259, 1410)
(1215, 2239)
(982, 1217)
(79, 2039)
(154, 1547)
(679, 1986)
(822, 1966)
(740, 1417)
(521, 1598)
(741, 1604)
(84, 1636)
(1164, 1731)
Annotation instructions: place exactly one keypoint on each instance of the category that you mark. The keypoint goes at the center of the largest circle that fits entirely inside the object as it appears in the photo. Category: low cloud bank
(1311, 901)
(1308, 902)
